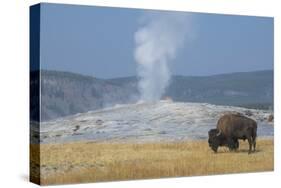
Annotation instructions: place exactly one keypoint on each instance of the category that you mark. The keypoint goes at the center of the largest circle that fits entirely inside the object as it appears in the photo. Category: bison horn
(219, 133)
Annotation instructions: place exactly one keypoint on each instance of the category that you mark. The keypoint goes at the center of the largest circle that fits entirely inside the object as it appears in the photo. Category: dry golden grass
(91, 162)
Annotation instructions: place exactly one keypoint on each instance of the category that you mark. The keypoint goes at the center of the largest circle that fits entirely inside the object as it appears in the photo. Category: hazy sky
(99, 41)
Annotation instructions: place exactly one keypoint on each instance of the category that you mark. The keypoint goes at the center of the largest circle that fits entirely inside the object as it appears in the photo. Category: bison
(231, 128)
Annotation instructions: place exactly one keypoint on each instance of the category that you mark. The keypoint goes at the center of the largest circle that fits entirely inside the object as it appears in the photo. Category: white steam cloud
(157, 42)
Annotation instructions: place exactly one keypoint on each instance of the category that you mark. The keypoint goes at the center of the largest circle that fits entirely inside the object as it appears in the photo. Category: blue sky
(99, 41)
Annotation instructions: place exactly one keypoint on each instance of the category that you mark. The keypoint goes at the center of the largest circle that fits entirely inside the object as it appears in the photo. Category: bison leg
(254, 143)
(250, 144)
(231, 143)
(236, 144)
(254, 140)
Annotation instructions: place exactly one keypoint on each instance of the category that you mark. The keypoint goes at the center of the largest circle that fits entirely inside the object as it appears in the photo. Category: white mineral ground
(147, 122)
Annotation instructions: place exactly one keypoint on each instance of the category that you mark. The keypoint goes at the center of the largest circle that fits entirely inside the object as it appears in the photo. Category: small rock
(75, 134)
(162, 132)
(270, 118)
(248, 113)
(99, 122)
(148, 129)
(77, 127)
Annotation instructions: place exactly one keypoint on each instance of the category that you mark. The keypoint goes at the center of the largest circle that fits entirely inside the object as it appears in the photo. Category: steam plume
(157, 42)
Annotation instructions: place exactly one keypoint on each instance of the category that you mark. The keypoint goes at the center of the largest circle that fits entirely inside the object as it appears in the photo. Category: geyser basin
(147, 122)
(122, 94)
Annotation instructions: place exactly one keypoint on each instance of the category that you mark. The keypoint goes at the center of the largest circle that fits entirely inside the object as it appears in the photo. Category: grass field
(92, 162)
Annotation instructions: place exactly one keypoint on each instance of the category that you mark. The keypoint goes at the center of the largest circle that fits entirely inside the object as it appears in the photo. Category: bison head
(216, 139)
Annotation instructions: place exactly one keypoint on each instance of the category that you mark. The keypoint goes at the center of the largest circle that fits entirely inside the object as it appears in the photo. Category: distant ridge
(66, 93)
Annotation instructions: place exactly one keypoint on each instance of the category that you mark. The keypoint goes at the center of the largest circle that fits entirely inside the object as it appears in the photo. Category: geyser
(157, 41)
